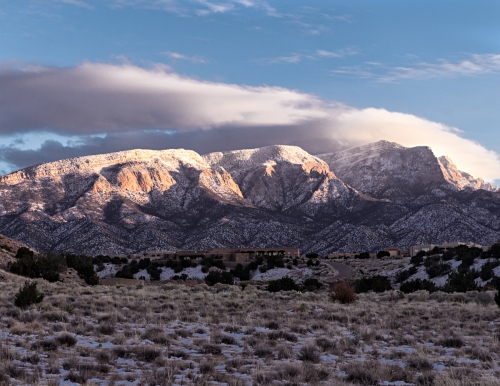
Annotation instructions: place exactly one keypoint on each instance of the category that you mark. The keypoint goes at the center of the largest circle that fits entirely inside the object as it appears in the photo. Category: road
(345, 272)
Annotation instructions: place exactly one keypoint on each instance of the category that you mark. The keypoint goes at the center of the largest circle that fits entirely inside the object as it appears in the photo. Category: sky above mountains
(84, 77)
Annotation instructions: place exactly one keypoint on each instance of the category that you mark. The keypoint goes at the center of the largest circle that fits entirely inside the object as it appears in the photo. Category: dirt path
(345, 272)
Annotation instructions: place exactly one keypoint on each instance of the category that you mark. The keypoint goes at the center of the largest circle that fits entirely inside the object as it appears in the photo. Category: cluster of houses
(397, 252)
(231, 257)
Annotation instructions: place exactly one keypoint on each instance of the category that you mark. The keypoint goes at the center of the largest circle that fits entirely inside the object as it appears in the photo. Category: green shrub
(363, 255)
(418, 259)
(283, 284)
(311, 284)
(215, 277)
(487, 270)
(376, 283)
(28, 295)
(84, 266)
(404, 275)
(436, 269)
(383, 254)
(417, 285)
(460, 282)
(24, 252)
(154, 272)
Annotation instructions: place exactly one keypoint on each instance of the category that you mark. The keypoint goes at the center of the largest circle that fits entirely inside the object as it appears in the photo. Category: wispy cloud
(477, 64)
(178, 56)
(197, 7)
(292, 59)
(78, 3)
(295, 58)
(337, 54)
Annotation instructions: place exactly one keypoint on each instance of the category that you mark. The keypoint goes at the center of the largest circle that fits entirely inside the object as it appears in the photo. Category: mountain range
(362, 199)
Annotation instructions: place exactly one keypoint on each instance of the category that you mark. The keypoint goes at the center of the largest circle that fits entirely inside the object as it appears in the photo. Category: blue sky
(435, 60)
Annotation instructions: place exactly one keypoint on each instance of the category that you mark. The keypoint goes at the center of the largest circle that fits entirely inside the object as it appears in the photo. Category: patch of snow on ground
(142, 273)
(192, 273)
(279, 273)
(272, 274)
(109, 270)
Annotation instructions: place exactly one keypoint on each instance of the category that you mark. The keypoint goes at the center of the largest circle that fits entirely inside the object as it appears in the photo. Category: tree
(376, 283)
(383, 254)
(283, 284)
(24, 252)
(461, 282)
(28, 295)
(215, 277)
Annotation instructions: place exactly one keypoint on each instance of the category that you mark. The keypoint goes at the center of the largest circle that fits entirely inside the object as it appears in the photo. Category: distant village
(244, 256)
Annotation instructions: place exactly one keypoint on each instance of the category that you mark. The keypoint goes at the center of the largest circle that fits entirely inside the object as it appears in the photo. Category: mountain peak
(462, 180)
(267, 155)
(97, 162)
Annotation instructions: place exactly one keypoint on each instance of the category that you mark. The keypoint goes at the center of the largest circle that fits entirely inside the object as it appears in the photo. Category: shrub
(343, 292)
(283, 284)
(28, 295)
(437, 269)
(376, 283)
(460, 282)
(417, 285)
(383, 254)
(497, 295)
(215, 277)
(66, 339)
(417, 260)
(452, 342)
(311, 284)
(487, 270)
(147, 354)
(84, 266)
(154, 272)
(401, 276)
(24, 252)
(309, 353)
(363, 255)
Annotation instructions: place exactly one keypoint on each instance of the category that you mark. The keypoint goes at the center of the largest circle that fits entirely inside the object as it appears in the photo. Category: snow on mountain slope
(388, 170)
(377, 195)
(280, 177)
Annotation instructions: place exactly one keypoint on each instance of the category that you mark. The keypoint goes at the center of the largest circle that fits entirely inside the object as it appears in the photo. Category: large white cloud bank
(96, 98)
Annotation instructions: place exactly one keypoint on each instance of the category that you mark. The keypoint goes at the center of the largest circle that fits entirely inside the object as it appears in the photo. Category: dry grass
(173, 334)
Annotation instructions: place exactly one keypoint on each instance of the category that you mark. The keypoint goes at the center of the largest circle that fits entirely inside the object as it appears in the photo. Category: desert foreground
(225, 335)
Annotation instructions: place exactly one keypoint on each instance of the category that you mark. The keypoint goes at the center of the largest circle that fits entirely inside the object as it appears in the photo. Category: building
(397, 252)
(414, 249)
(230, 256)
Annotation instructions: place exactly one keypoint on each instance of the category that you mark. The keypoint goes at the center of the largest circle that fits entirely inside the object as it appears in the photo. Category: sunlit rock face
(362, 199)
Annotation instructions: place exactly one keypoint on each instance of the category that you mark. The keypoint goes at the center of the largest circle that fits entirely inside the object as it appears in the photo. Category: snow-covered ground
(279, 273)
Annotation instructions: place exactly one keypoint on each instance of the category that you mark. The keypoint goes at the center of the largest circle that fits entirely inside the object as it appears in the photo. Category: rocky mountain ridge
(363, 199)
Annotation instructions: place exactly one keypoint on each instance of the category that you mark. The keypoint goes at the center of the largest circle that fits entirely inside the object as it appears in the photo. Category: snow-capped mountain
(362, 199)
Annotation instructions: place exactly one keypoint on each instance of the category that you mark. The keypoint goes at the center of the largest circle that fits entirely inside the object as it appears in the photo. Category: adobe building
(230, 256)
(414, 249)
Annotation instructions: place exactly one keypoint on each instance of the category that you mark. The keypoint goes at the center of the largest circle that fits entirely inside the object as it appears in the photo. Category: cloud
(477, 64)
(178, 56)
(77, 3)
(95, 98)
(337, 54)
(295, 58)
(193, 7)
(103, 108)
